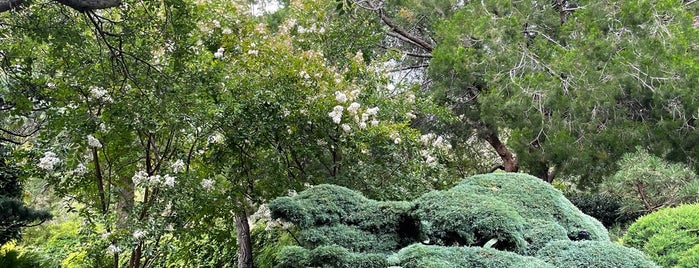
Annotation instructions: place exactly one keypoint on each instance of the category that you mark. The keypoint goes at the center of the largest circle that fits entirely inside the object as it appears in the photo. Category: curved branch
(87, 5)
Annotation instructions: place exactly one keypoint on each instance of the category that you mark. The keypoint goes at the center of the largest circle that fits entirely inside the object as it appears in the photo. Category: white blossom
(362, 125)
(216, 23)
(226, 31)
(374, 122)
(167, 210)
(51, 85)
(138, 234)
(93, 142)
(219, 53)
(99, 93)
(353, 107)
(48, 161)
(336, 114)
(169, 180)
(340, 97)
(139, 177)
(80, 170)
(253, 52)
(372, 111)
(304, 75)
(410, 116)
(178, 166)
(207, 184)
(112, 249)
(155, 180)
(170, 228)
(346, 128)
(397, 140)
(106, 235)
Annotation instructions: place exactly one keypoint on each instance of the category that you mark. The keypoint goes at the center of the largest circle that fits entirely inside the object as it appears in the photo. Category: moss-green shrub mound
(598, 254)
(668, 235)
(520, 211)
(493, 220)
(420, 256)
(333, 215)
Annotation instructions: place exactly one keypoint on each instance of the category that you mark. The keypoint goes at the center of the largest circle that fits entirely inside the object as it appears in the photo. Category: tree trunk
(9, 4)
(508, 160)
(244, 242)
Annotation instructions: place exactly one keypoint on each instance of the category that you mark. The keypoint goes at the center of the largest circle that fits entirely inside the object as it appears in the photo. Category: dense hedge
(420, 256)
(669, 236)
(596, 254)
(493, 220)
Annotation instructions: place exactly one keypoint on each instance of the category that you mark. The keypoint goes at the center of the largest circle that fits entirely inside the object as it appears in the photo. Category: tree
(185, 116)
(562, 83)
(14, 215)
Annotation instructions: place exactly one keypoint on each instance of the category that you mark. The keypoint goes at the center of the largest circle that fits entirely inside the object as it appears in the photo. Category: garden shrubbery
(669, 236)
(492, 220)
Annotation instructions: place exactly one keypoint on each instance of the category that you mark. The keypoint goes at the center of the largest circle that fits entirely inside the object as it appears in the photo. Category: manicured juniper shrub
(420, 256)
(502, 206)
(492, 220)
(599, 254)
(668, 236)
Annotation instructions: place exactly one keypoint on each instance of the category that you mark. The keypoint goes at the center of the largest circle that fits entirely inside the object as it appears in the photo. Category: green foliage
(646, 183)
(603, 207)
(502, 206)
(504, 216)
(16, 257)
(668, 236)
(417, 256)
(600, 254)
(14, 215)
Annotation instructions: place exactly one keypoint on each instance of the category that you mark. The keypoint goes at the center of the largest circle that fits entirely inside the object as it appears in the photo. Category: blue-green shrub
(598, 254)
(493, 220)
(420, 256)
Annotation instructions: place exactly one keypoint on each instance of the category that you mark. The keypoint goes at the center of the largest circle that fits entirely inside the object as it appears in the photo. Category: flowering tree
(170, 121)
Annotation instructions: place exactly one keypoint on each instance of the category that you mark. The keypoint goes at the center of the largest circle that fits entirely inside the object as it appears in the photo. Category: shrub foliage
(493, 220)
(669, 236)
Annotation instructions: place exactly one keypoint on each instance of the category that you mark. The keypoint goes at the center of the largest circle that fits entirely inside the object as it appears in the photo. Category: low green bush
(492, 220)
(598, 254)
(420, 256)
(667, 236)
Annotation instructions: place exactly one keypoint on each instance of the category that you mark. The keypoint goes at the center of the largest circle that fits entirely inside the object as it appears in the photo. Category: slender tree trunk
(509, 162)
(244, 242)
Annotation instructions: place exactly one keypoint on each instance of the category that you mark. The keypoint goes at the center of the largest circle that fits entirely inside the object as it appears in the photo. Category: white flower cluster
(353, 110)
(93, 142)
(264, 214)
(178, 166)
(313, 29)
(138, 234)
(396, 138)
(99, 93)
(80, 170)
(429, 159)
(219, 53)
(142, 178)
(207, 184)
(336, 114)
(48, 161)
(112, 249)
